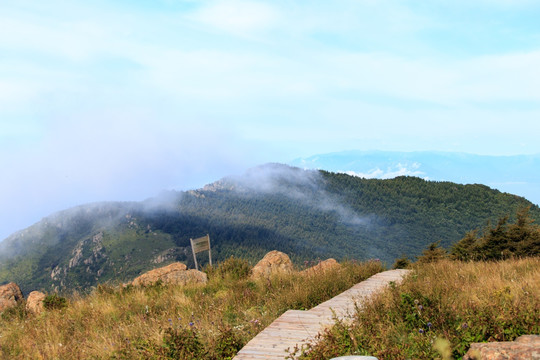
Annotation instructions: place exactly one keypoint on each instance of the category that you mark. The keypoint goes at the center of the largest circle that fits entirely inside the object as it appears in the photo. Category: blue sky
(117, 100)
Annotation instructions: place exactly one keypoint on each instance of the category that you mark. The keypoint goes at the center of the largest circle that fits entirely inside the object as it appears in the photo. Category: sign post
(201, 244)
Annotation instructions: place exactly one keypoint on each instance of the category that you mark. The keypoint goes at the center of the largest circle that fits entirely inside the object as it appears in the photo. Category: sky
(118, 100)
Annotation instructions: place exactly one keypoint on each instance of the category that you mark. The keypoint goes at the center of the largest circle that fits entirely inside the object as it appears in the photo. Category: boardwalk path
(297, 327)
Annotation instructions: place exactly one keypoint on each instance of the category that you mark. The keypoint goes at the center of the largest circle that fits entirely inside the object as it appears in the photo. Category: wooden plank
(297, 327)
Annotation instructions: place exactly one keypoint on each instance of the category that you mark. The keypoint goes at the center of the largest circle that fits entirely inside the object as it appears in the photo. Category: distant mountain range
(518, 174)
(307, 214)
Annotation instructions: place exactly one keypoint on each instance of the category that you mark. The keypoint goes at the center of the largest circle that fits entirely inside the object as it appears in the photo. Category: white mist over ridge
(305, 186)
(516, 174)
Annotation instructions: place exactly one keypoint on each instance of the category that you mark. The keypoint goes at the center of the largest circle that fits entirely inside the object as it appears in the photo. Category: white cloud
(16, 93)
(390, 172)
(514, 76)
(118, 93)
(237, 16)
(479, 79)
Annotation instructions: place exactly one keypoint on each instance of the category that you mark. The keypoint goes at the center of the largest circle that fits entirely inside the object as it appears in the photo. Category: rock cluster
(273, 262)
(524, 347)
(278, 262)
(322, 267)
(11, 296)
(175, 273)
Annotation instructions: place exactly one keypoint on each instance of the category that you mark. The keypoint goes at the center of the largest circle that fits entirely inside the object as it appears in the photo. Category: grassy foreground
(211, 321)
(439, 310)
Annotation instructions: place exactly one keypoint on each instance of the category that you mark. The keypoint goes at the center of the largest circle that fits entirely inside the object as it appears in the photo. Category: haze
(119, 101)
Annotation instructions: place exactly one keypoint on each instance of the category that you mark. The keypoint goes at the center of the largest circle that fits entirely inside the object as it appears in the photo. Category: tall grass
(211, 321)
(445, 304)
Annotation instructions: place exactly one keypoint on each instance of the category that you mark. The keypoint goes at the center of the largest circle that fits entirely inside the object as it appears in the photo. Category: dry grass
(222, 315)
(461, 302)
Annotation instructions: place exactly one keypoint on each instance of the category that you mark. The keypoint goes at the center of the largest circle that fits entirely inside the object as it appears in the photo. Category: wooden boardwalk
(298, 327)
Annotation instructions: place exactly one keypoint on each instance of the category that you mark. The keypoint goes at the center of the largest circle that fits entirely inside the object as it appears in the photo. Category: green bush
(233, 268)
(433, 253)
(54, 301)
(228, 343)
(16, 312)
(183, 343)
(401, 263)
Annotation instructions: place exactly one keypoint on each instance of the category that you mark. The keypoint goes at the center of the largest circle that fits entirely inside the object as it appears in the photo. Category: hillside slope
(307, 214)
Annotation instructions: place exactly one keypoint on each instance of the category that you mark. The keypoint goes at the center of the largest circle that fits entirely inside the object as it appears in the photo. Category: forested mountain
(516, 174)
(307, 214)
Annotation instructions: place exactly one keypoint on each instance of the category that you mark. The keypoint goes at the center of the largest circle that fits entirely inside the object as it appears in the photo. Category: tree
(433, 253)
(466, 248)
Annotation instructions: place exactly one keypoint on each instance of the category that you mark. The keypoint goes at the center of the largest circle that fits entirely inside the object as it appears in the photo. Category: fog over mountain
(516, 174)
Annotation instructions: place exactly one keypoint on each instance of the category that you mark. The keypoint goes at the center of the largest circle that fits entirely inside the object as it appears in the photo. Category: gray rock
(526, 347)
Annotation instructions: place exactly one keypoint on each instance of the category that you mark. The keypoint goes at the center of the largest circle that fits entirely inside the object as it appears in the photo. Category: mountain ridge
(305, 213)
(515, 174)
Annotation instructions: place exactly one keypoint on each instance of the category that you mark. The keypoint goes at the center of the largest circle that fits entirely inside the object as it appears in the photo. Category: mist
(305, 186)
(111, 158)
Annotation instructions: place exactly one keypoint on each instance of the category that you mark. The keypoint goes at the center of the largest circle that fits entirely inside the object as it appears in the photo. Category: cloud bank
(117, 101)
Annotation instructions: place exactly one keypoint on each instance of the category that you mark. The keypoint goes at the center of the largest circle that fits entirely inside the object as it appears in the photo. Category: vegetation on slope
(444, 306)
(501, 241)
(306, 214)
(211, 321)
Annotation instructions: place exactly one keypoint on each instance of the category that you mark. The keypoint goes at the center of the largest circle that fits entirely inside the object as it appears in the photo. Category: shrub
(16, 312)
(54, 301)
(183, 343)
(228, 343)
(233, 268)
(434, 252)
(401, 263)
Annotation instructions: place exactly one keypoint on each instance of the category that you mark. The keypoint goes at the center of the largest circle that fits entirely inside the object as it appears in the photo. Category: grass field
(439, 310)
(211, 321)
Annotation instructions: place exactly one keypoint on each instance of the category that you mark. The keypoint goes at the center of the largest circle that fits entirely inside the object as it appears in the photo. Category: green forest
(307, 214)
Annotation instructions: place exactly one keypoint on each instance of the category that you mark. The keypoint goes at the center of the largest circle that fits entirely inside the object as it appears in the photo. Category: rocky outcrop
(171, 254)
(322, 267)
(273, 262)
(524, 347)
(34, 302)
(10, 296)
(89, 254)
(175, 273)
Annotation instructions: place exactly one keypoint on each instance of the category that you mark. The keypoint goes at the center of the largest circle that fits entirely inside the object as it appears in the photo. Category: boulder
(524, 347)
(322, 267)
(274, 261)
(10, 296)
(34, 302)
(174, 273)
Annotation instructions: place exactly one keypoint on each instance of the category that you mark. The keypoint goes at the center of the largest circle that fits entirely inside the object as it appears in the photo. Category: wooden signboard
(201, 244)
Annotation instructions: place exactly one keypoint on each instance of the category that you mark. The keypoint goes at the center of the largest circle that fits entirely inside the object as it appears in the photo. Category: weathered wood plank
(297, 327)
